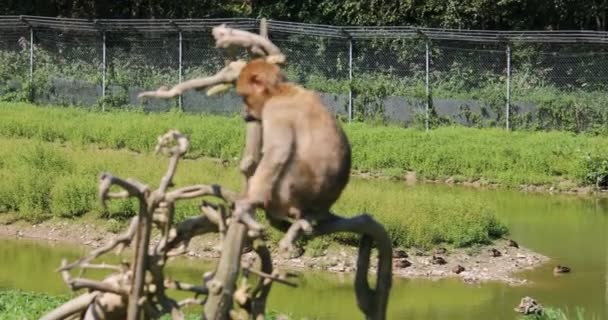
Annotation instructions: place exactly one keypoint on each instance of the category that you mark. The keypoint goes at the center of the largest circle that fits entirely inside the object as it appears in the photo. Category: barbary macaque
(306, 157)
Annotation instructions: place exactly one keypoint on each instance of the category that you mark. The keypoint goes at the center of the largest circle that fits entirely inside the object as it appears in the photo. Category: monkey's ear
(257, 83)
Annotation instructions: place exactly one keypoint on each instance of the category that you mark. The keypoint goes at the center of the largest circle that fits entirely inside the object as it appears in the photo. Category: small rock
(495, 253)
(561, 269)
(438, 260)
(402, 263)
(512, 243)
(521, 256)
(528, 306)
(19, 234)
(399, 254)
(458, 269)
(338, 268)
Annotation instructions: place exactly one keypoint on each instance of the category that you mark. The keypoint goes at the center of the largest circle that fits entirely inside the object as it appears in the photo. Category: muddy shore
(479, 264)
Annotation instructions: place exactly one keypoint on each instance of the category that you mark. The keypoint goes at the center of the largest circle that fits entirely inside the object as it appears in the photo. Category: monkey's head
(258, 81)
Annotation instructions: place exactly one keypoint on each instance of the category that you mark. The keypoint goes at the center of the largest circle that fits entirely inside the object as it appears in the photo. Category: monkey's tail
(374, 302)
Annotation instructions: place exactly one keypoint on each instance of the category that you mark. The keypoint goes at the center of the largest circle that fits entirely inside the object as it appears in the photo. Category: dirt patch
(479, 263)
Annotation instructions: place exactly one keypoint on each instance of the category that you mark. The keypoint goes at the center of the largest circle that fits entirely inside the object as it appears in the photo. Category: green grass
(42, 179)
(551, 313)
(494, 155)
(22, 305)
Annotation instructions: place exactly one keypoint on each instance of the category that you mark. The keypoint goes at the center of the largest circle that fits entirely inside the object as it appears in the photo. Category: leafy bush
(72, 196)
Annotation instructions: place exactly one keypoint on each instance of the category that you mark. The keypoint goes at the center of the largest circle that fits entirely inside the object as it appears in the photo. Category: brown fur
(306, 156)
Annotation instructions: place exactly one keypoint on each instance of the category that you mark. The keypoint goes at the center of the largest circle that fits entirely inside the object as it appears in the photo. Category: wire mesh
(201, 59)
(318, 63)
(15, 60)
(67, 66)
(140, 61)
(557, 78)
(389, 79)
(468, 82)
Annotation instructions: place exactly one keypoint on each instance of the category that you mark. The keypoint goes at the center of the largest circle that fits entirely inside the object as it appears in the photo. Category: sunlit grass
(41, 180)
(494, 155)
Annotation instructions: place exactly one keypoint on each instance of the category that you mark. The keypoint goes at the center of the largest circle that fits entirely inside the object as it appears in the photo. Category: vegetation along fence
(411, 76)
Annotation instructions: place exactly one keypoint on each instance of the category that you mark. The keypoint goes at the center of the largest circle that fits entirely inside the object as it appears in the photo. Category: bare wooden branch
(101, 286)
(219, 301)
(123, 239)
(226, 37)
(165, 146)
(133, 187)
(190, 301)
(102, 266)
(228, 74)
(201, 190)
(271, 277)
(74, 306)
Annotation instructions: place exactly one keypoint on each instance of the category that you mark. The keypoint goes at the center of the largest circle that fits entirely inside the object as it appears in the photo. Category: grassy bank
(41, 180)
(494, 155)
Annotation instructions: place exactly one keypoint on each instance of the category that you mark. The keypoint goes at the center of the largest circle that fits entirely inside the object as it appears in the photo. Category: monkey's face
(256, 84)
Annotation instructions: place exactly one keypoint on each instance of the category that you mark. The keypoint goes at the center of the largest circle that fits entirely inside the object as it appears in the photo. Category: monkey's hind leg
(286, 244)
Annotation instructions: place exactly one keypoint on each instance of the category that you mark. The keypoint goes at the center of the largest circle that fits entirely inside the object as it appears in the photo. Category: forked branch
(228, 74)
(226, 37)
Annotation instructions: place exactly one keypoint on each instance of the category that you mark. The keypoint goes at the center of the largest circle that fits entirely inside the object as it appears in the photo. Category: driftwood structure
(136, 289)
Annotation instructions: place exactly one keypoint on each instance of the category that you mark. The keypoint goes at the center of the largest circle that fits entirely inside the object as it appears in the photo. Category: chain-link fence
(411, 76)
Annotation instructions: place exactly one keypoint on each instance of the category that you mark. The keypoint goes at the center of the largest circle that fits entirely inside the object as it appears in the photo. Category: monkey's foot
(254, 228)
(286, 244)
(243, 213)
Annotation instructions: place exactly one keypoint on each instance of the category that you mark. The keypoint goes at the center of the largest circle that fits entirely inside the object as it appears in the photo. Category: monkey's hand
(243, 212)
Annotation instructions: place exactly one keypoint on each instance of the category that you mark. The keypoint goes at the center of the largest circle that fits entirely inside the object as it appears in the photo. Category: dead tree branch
(122, 240)
(77, 305)
(228, 74)
(226, 37)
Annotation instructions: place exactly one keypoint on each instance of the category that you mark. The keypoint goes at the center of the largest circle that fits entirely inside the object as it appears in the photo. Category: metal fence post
(31, 54)
(180, 69)
(427, 88)
(103, 69)
(350, 79)
(508, 111)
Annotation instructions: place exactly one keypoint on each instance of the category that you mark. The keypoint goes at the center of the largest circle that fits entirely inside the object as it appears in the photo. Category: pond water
(571, 231)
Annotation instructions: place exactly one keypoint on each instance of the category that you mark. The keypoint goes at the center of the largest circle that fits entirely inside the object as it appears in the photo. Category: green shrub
(72, 196)
(594, 170)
